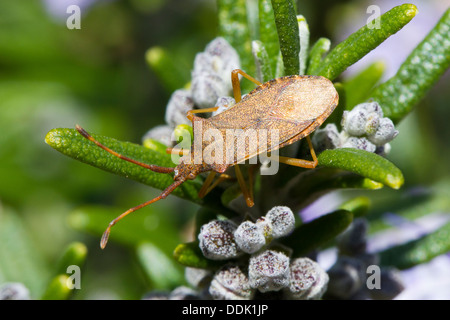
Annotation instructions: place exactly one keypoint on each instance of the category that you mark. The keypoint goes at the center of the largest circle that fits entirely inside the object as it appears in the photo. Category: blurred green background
(97, 76)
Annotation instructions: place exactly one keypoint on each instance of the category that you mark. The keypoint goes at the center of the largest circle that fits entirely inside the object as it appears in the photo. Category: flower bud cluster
(267, 267)
(270, 272)
(223, 239)
(211, 73)
(364, 127)
(210, 86)
(348, 276)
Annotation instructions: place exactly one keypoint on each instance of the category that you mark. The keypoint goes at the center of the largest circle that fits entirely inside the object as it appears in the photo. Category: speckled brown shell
(294, 105)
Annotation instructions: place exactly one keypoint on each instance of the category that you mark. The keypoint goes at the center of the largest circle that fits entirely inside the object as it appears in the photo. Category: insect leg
(251, 172)
(206, 184)
(247, 196)
(237, 85)
(300, 162)
(208, 187)
(147, 166)
(163, 195)
(180, 152)
(190, 113)
(221, 178)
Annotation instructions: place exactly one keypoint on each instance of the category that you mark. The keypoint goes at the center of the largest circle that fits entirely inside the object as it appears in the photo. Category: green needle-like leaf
(288, 34)
(154, 145)
(268, 32)
(307, 188)
(233, 26)
(72, 144)
(190, 255)
(364, 163)
(279, 68)
(312, 235)
(263, 67)
(423, 67)
(162, 271)
(418, 251)
(364, 40)
(303, 30)
(58, 289)
(316, 54)
(75, 254)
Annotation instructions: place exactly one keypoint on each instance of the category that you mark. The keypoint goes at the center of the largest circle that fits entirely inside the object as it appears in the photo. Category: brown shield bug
(293, 106)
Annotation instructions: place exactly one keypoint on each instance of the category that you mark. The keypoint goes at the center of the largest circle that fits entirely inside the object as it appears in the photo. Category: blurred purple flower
(428, 281)
(58, 8)
(323, 205)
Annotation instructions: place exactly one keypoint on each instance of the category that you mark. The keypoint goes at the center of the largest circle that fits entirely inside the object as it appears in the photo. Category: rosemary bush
(270, 251)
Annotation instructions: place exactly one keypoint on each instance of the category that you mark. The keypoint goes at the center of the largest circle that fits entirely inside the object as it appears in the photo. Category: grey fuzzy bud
(196, 277)
(354, 122)
(371, 107)
(362, 119)
(347, 276)
(231, 283)
(179, 104)
(354, 240)
(224, 59)
(359, 143)
(202, 63)
(368, 259)
(211, 76)
(308, 280)
(14, 291)
(326, 138)
(269, 271)
(207, 88)
(161, 133)
(391, 285)
(249, 237)
(217, 240)
(282, 220)
(220, 47)
(385, 132)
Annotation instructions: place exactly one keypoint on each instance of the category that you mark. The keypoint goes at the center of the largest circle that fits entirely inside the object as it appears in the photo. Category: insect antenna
(163, 195)
(152, 167)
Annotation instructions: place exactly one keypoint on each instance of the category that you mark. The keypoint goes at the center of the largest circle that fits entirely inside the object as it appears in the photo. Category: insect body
(292, 106)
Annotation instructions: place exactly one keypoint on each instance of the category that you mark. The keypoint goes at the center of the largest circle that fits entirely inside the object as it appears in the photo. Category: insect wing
(252, 108)
(304, 105)
(276, 114)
